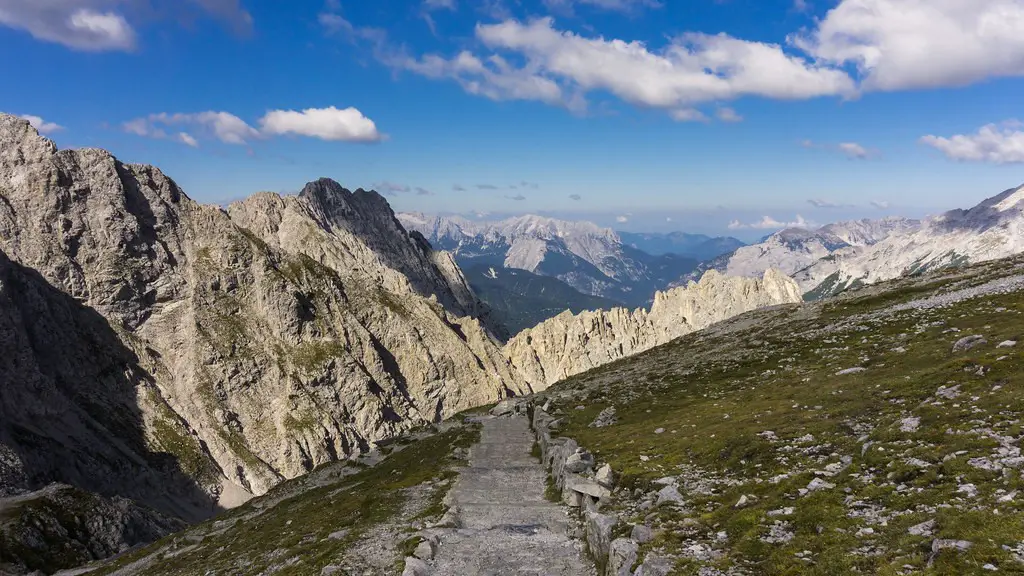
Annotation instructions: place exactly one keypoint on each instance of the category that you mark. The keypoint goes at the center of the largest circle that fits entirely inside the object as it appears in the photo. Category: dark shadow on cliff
(69, 403)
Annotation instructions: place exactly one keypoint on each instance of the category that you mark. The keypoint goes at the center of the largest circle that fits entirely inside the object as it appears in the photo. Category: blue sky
(640, 114)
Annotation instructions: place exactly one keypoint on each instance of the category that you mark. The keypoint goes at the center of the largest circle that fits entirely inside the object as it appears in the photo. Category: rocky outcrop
(151, 342)
(570, 344)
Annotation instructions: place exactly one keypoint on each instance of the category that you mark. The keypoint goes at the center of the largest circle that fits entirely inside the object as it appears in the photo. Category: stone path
(506, 525)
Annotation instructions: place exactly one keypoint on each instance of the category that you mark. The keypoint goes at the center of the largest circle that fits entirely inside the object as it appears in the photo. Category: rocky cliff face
(148, 338)
(570, 344)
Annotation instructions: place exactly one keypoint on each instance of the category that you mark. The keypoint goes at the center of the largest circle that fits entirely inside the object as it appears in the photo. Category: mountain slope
(569, 344)
(522, 299)
(229, 359)
(589, 258)
(874, 433)
(992, 229)
(793, 249)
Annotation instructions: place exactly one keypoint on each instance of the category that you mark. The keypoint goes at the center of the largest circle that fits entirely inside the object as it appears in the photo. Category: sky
(713, 116)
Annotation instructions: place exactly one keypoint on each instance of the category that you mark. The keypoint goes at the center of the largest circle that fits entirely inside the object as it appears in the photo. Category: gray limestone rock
(570, 344)
(622, 556)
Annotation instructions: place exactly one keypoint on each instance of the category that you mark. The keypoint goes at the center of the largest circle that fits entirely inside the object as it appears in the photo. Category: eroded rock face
(570, 344)
(236, 349)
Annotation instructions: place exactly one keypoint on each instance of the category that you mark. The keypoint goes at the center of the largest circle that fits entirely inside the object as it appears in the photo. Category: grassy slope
(716, 393)
(289, 530)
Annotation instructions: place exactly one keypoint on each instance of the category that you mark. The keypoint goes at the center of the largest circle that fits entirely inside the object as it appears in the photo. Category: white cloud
(95, 25)
(187, 139)
(769, 223)
(687, 115)
(853, 150)
(821, 203)
(728, 115)
(849, 149)
(326, 124)
(439, 4)
(389, 188)
(880, 204)
(622, 219)
(567, 6)
(904, 44)
(694, 67)
(42, 126)
(349, 124)
(993, 143)
(420, 191)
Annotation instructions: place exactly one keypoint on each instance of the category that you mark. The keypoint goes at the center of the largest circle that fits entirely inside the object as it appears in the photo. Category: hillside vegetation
(876, 433)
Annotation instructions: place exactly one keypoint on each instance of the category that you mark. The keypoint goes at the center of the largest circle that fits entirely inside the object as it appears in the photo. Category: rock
(605, 418)
(819, 484)
(579, 462)
(255, 343)
(416, 567)
(331, 570)
(848, 371)
(605, 476)
(641, 534)
(922, 529)
(585, 486)
(506, 407)
(426, 549)
(599, 533)
(968, 342)
(939, 545)
(669, 494)
(569, 344)
(742, 502)
(969, 490)
(622, 556)
(1007, 344)
(659, 430)
(910, 424)
(655, 565)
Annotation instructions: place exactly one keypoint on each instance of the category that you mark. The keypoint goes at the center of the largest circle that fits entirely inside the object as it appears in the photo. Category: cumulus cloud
(769, 223)
(726, 114)
(687, 115)
(568, 6)
(561, 67)
(389, 188)
(331, 124)
(880, 204)
(906, 44)
(187, 139)
(348, 125)
(622, 219)
(98, 25)
(575, 197)
(851, 150)
(993, 143)
(42, 126)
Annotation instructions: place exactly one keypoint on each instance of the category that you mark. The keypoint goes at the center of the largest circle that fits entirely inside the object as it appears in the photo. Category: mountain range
(591, 259)
(186, 358)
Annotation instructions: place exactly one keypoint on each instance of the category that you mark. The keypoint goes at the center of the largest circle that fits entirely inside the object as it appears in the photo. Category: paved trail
(507, 526)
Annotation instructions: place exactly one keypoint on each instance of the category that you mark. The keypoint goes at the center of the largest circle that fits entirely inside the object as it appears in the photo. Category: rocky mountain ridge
(188, 357)
(570, 344)
(793, 249)
(991, 230)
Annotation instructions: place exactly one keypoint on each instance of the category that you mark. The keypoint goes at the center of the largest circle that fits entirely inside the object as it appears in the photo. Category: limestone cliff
(150, 342)
(570, 344)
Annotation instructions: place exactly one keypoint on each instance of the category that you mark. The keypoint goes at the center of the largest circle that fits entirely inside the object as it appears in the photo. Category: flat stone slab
(507, 526)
